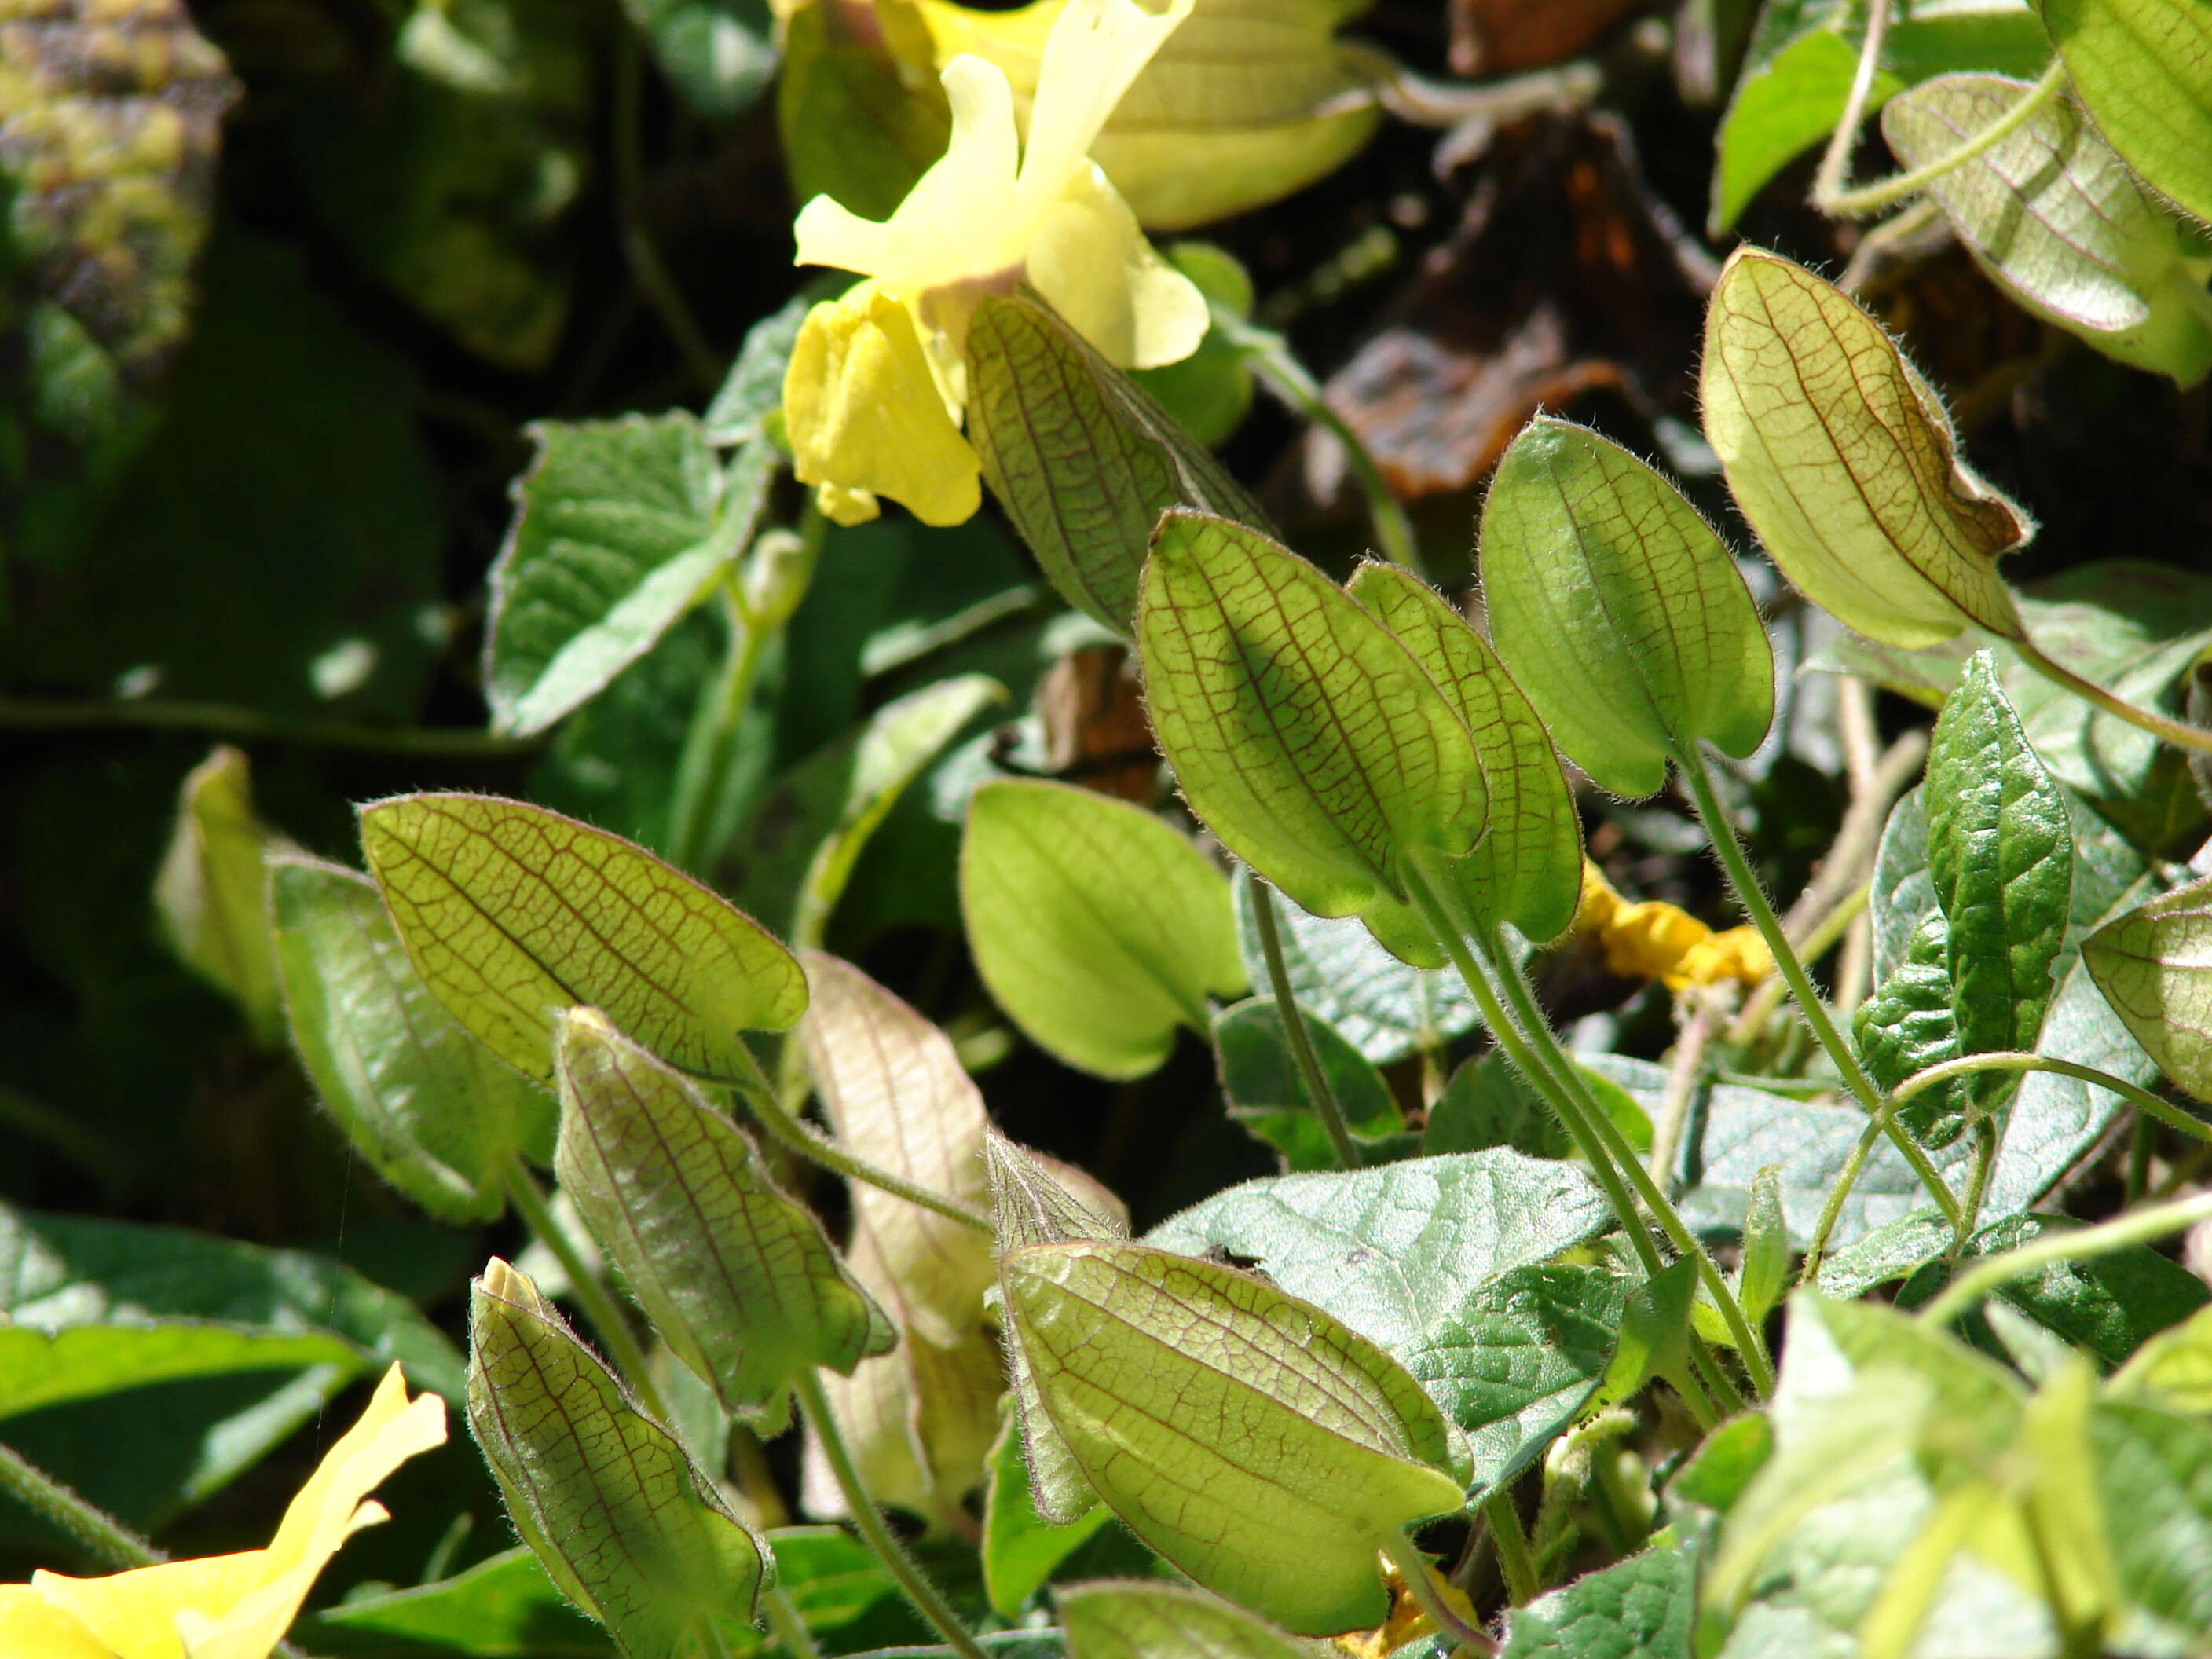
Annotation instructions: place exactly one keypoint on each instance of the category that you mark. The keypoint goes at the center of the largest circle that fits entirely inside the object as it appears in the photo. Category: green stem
(584, 1284)
(1294, 1027)
(1413, 1568)
(646, 265)
(2195, 738)
(230, 720)
(1523, 1583)
(1721, 832)
(2141, 1144)
(1809, 1275)
(704, 769)
(2081, 1244)
(1282, 373)
(785, 1625)
(2017, 1060)
(1841, 202)
(820, 1149)
(928, 1600)
(1978, 1184)
(107, 1539)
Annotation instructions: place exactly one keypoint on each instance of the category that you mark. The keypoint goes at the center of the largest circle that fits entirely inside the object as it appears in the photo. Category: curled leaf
(1845, 463)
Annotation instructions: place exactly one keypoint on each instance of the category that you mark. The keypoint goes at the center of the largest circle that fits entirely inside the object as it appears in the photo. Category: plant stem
(1978, 1184)
(2014, 1061)
(1819, 941)
(647, 268)
(704, 769)
(2141, 1144)
(1721, 832)
(598, 1303)
(1523, 1583)
(107, 1539)
(1294, 1027)
(1840, 202)
(1282, 373)
(2081, 1244)
(1847, 1178)
(785, 1625)
(248, 724)
(927, 1600)
(2195, 738)
(820, 1149)
(1414, 1570)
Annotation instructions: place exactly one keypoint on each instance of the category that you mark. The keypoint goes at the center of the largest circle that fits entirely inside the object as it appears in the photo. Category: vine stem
(2018, 1060)
(2081, 1244)
(1523, 1583)
(1294, 1026)
(705, 766)
(1808, 1276)
(928, 1600)
(1414, 1570)
(101, 1533)
(820, 1149)
(785, 1625)
(2194, 739)
(1574, 1110)
(231, 720)
(1283, 374)
(598, 1303)
(1833, 197)
(1721, 832)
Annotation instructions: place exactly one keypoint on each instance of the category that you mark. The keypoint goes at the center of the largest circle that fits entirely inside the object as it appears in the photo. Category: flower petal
(1096, 48)
(1092, 264)
(33, 1628)
(865, 416)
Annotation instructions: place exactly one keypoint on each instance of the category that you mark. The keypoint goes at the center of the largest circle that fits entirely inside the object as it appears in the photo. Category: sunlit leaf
(1527, 869)
(432, 1109)
(1098, 927)
(511, 913)
(1845, 462)
(1139, 1620)
(2060, 224)
(1646, 1605)
(624, 1523)
(1083, 460)
(1260, 1447)
(737, 1277)
(2154, 966)
(1305, 737)
(2144, 68)
(209, 891)
(1619, 609)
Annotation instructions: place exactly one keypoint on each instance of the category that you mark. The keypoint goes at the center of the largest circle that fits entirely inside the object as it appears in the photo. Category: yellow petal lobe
(1090, 262)
(1653, 939)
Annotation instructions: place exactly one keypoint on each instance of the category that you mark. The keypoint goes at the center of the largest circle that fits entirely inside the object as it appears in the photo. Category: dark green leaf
(1267, 1094)
(719, 54)
(1488, 1103)
(1021, 1548)
(1910, 1023)
(1644, 1607)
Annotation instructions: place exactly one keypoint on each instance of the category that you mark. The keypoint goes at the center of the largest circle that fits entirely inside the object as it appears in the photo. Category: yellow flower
(1653, 939)
(227, 1607)
(877, 389)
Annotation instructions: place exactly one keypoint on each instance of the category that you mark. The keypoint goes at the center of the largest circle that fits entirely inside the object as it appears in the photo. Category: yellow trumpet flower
(1653, 939)
(227, 1607)
(877, 389)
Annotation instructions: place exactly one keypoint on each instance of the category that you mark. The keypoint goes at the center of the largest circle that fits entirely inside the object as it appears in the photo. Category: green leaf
(502, 1607)
(1209, 393)
(719, 54)
(737, 1278)
(1766, 1270)
(1307, 738)
(1266, 1092)
(1645, 1605)
(1528, 869)
(2143, 69)
(620, 527)
(1619, 609)
(753, 389)
(2107, 1305)
(1405, 1254)
(2154, 966)
(1488, 1103)
(2173, 1368)
(1902, 893)
(631, 1532)
(1260, 1447)
(2153, 1475)
(1083, 460)
(42, 1368)
(57, 1273)
(1021, 1548)
(511, 913)
(1141, 1620)
(2001, 859)
(1655, 1331)
(1845, 462)
(1909, 1024)
(427, 1104)
(209, 893)
(1098, 927)
(1798, 73)
(2059, 224)
(1338, 974)
(806, 837)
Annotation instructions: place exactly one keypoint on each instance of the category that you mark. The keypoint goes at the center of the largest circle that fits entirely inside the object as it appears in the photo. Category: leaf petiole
(1294, 1027)
(2195, 738)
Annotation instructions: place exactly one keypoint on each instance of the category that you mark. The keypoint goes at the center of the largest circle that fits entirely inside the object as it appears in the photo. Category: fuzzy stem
(1845, 203)
(106, 1538)
(2194, 739)
(1523, 1583)
(2012, 1060)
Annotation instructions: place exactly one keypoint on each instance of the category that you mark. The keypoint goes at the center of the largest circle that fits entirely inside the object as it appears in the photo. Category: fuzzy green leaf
(1527, 869)
(1645, 1605)
(1845, 462)
(1765, 1269)
(1307, 738)
(1021, 1548)
(511, 913)
(2154, 966)
(1141, 1620)
(2144, 68)
(624, 1523)
(1259, 1446)
(2056, 219)
(1083, 460)
(737, 1277)
(1098, 927)
(209, 893)
(1909, 1024)
(1619, 609)
(427, 1104)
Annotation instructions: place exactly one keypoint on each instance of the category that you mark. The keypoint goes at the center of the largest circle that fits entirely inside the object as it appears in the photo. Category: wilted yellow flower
(876, 388)
(227, 1607)
(1653, 939)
